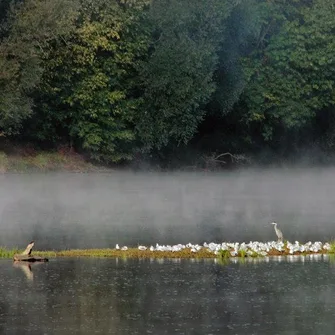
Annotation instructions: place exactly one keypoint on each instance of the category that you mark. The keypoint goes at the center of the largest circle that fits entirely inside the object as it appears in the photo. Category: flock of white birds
(246, 249)
(249, 249)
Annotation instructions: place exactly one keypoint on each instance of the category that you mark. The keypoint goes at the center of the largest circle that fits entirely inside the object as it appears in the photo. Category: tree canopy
(118, 78)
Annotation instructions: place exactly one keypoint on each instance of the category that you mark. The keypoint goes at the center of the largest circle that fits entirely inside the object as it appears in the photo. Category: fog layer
(99, 210)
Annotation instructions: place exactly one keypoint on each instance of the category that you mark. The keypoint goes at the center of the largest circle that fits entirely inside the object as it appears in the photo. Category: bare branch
(28, 249)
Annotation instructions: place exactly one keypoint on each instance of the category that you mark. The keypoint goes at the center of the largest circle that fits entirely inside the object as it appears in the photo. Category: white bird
(278, 232)
(142, 247)
(117, 247)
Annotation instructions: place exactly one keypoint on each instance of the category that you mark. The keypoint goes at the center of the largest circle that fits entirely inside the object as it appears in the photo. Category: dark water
(110, 296)
(66, 210)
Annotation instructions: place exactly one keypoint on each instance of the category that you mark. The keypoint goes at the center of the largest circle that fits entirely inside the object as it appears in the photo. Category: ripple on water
(109, 296)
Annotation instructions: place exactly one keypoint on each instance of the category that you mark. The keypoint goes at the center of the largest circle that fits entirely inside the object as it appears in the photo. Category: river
(118, 296)
(115, 296)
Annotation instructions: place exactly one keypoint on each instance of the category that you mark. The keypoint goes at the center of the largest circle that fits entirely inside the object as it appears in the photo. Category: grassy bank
(8, 253)
(112, 253)
(45, 161)
(136, 253)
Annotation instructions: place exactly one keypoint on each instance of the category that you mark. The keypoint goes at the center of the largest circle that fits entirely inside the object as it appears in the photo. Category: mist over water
(64, 210)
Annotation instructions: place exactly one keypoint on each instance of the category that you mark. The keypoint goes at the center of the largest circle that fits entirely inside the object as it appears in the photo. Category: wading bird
(278, 232)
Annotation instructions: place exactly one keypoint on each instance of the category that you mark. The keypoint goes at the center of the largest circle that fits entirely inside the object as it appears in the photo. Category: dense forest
(171, 81)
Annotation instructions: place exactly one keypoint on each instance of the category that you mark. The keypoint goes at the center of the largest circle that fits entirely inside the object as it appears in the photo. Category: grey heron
(278, 232)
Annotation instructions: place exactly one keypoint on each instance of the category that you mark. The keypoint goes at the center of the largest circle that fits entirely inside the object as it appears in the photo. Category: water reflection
(27, 268)
(289, 259)
(124, 296)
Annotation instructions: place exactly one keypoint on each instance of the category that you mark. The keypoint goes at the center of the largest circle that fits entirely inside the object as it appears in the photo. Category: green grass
(135, 253)
(254, 254)
(8, 253)
(332, 247)
(130, 253)
(224, 254)
(3, 162)
(45, 161)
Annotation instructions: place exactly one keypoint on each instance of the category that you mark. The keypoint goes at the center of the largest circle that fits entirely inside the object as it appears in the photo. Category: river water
(63, 210)
(118, 296)
(115, 296)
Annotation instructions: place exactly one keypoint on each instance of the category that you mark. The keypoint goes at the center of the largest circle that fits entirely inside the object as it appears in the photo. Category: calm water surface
(114, 296)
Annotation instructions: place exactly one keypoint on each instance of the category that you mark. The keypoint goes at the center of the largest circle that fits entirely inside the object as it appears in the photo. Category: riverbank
(25, 158)
(211, 250)
(26, 161)
(23, 162)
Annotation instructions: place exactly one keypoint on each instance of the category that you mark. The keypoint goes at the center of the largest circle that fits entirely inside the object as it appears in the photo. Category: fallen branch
(213, 160)
(233, 157)
(26, 255)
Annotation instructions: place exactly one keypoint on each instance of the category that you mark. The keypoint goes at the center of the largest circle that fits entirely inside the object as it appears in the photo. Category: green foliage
(254, 254)
(114, 78)
(332, 247)
(243, 26)
(3, 162)
(45, 161)
(8, 253)
(89, 82)
(178, 77)
(224, 254)
(242, 253)
(25, 36)
(292, 77)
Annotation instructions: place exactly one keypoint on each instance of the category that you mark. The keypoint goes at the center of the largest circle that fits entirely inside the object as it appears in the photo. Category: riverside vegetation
(168, 81)
(46, 161)
(207, 250)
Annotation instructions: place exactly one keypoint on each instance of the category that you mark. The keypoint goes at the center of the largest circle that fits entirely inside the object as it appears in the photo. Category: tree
(88, 90)
(177, 80)
(292, 78)
(243, 25)
(29, 27)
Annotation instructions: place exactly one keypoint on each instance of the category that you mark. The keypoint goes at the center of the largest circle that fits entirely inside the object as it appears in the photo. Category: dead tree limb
(213, 160)
(26, 255)
(29, 248)
(235, 157)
